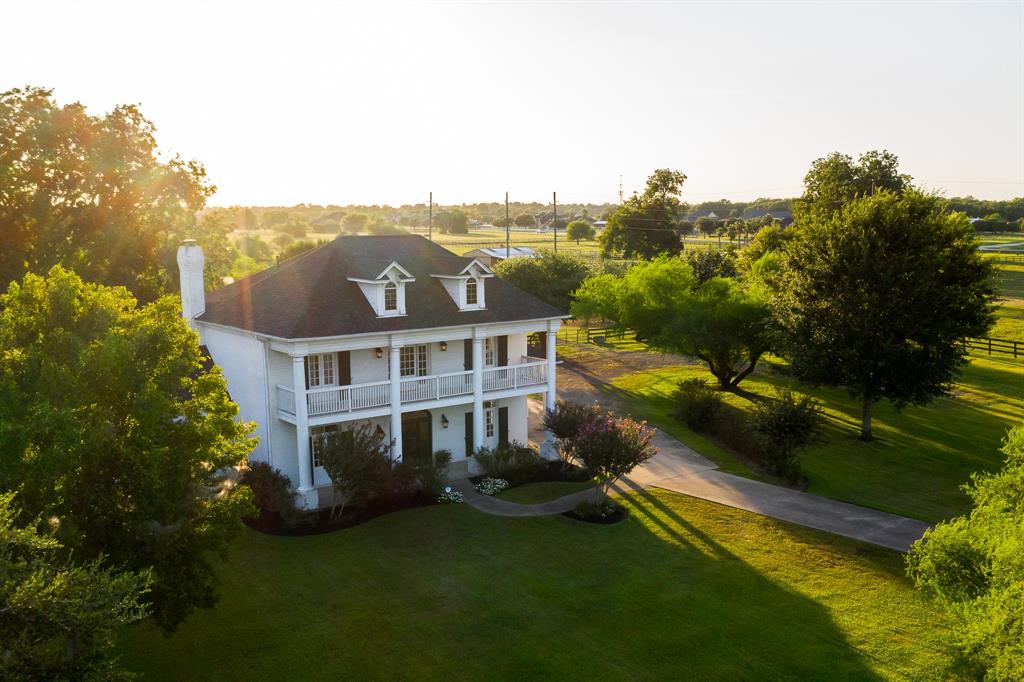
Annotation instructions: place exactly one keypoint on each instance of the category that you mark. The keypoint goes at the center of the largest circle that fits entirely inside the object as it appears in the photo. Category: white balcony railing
(333, 399)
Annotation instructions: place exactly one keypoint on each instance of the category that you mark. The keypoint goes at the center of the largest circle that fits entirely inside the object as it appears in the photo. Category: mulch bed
(615, 514)
(319, 522)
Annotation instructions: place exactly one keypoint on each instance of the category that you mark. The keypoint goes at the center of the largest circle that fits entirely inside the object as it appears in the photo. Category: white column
(394, 360)
(478, 391)
(302, 426)
(549, 397)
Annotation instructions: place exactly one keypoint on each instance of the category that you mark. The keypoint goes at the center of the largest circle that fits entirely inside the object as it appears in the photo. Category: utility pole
(508, 231)
(430, 220)
(620, 189)
(554, 220)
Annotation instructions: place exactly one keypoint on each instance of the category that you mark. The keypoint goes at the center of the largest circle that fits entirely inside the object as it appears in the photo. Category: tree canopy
(91, 193)
(837, 179)
(645, 225)
(974, 566)
(879, 296)
(111, 429)
(454, 221)
(551, 277)
(579, 230)
(718, 321)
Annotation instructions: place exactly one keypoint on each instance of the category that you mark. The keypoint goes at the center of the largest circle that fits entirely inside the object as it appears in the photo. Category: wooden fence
(978, 346)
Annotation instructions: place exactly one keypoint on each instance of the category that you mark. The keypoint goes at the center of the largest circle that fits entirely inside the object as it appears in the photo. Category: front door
(417, 437)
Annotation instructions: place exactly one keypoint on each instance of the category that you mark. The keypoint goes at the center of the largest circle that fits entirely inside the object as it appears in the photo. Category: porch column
(395, 366)
(478, 391)
(302, 426)
(549, 397)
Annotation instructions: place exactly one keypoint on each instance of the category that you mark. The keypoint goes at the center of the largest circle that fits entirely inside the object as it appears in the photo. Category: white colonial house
(428, 347)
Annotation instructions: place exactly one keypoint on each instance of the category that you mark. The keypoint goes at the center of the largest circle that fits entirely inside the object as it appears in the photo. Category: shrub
(431, 476)
(611, 447)
(491, 486)
(698, 404)
(511, 461)
(272, 491)
(785, 424)
(449, 496)
(565, 421)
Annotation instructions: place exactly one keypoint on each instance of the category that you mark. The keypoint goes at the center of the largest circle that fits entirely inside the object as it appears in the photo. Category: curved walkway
(680, 469)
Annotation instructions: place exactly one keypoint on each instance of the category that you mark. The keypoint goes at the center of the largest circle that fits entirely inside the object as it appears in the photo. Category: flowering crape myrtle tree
(611, 447)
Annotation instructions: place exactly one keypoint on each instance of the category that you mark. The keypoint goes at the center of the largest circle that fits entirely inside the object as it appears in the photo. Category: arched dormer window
(471, 298)
(390, 296)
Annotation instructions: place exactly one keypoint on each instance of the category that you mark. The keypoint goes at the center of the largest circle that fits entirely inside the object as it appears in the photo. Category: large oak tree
(109, 429)
(647, 224)
(93, 194)
(878, 296)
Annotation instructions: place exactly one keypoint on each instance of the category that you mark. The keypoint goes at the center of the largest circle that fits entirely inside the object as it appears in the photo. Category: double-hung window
(320, 370)
(413, 361)
(390, 297)
(490, 357)
(489, 419)
(471, 293)
(317, 436)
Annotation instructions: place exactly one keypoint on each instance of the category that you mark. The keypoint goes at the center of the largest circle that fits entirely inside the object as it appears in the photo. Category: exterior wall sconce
(444, 345)
(379, 352)
(444, 422)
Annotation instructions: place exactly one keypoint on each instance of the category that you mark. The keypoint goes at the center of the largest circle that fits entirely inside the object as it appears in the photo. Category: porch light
(444, 422)
(379, 352)
(444, 345)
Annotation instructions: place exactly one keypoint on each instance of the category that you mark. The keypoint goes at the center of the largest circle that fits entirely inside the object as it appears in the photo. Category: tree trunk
(865, 420)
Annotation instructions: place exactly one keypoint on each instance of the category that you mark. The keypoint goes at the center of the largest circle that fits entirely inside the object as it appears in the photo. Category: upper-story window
(413, 361)
(320, 370)
(471, 296)
(490, 358)
(390, 296)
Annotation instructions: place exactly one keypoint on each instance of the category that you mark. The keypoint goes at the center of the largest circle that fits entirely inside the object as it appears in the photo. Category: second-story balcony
(369, 398)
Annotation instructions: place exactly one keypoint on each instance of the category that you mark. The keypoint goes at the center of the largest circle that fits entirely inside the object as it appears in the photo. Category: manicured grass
(683, 589)
(544, 491)
(920, 459)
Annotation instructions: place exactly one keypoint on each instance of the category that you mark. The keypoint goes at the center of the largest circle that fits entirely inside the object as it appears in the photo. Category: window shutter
(469, 434)
(503, 425)
(305, 373)
(467, 348)
(502, 351)
(344, 364)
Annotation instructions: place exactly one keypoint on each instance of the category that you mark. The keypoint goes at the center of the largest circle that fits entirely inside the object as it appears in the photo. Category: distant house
(600, 224)
(784, 217)
(491, 255)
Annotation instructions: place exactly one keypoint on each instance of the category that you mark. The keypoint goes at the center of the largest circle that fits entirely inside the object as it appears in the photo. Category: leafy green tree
(255, 248)
(298, 248)
(974, 566)
(247, 220)
(92, 194)
(645, 224)
(57, 619)
(717, 321)
(707, 226)
(354, 222)
(767, 240)
(837, 179)
(579, 230)
(879, 297)
(549, 276)
(297, 226)
(710, 263)
(525, 220)
(454, 221)
(111, 429)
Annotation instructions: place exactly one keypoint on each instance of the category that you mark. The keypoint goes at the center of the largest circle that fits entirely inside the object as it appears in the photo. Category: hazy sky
(290, 102)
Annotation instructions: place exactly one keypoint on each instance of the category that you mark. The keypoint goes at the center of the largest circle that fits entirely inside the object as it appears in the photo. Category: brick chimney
(193, 292)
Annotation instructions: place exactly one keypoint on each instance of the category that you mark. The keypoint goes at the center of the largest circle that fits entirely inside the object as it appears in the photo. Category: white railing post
(302, 426)
(394, 358)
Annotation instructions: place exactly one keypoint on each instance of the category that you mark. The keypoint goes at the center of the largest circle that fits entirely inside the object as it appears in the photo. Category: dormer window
(391, 296)
(471, 298)
(466, 284)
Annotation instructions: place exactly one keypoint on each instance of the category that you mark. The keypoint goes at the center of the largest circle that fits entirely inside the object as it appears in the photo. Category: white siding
(367, 367)
(241, 359)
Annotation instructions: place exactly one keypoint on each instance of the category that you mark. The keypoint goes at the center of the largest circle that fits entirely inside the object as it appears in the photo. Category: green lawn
(682, 589)
(544, 491)
(921, 456)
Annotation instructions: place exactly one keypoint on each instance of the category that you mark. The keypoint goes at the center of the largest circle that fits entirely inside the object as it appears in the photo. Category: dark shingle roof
(310, 296)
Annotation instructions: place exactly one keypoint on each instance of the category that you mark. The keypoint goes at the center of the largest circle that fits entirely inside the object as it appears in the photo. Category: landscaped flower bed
(604, 512)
